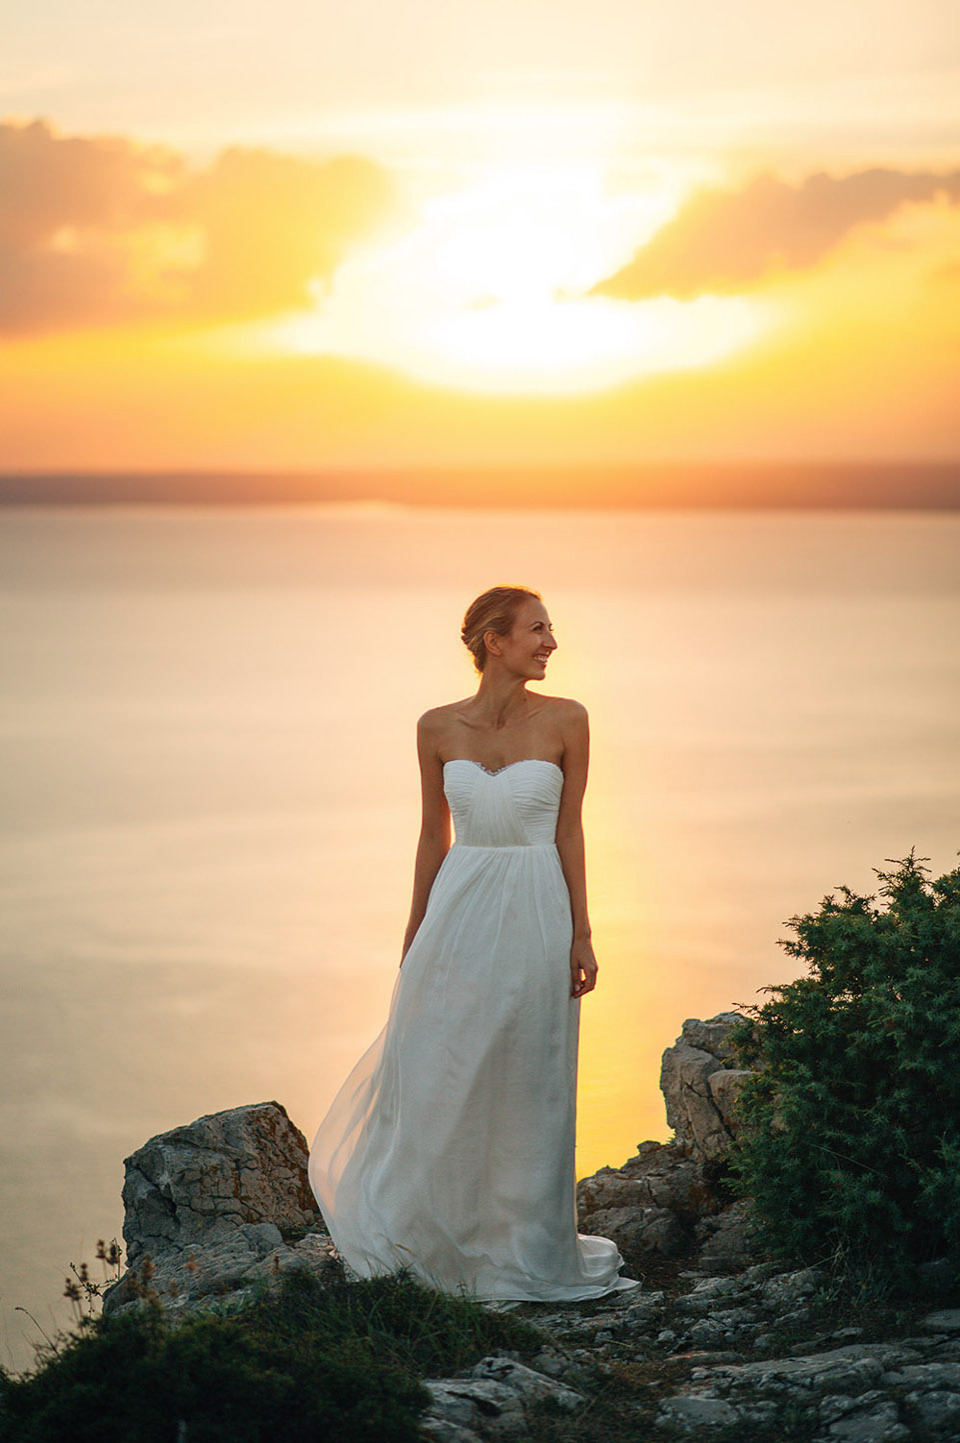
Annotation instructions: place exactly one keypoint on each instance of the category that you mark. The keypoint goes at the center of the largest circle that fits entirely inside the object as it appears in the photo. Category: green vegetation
(850, 1142)
(306, 1360)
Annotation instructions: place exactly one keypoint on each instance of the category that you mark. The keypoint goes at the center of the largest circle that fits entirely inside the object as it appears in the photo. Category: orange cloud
(101, 230)
(723, 240)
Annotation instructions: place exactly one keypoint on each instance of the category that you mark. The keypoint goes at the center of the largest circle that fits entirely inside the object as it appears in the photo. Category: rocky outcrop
(215, 1205)
(760, 1356)
(208, 1205)
(649, 1205)
(726, 1343)
(248, 1165)
(700, 1085)
(667, 1199)
(491, 1397)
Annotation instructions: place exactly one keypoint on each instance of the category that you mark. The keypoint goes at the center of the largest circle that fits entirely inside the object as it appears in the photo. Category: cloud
(102, 230)
(723, 240)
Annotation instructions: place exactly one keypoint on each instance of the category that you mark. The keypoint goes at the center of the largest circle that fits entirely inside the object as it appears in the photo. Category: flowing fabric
(450, 1147)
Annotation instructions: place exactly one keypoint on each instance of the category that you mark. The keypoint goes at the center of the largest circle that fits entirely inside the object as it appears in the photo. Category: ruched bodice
(516, 806)
(450, 1147)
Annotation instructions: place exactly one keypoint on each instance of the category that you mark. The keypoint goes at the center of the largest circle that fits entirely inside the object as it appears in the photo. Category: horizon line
(901, 484)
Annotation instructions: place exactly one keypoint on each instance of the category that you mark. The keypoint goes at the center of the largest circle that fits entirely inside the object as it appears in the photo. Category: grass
(396, 1320)
(306, 1359)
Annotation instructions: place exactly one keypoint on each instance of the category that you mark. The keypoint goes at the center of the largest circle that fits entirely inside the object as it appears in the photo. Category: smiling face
(530, 642)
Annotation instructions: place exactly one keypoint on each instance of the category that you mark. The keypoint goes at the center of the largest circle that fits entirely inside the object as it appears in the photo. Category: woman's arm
(434, 840)
(576, 756)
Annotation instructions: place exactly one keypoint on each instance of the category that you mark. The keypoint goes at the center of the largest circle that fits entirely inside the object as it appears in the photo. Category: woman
(450, 1147)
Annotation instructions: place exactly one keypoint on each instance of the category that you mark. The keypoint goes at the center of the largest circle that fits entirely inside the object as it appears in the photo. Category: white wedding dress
(450, 1147)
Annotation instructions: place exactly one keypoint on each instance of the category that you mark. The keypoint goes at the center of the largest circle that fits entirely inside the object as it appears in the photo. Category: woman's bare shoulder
(565, 708)
(437, 717)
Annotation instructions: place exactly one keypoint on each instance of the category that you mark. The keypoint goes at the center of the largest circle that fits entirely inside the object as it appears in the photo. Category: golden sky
(409, 234)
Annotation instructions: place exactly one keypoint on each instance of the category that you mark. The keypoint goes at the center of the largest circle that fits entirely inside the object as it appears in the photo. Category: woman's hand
(583, 967)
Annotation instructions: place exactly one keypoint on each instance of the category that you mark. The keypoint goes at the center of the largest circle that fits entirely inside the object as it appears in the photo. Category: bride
(449, 1149)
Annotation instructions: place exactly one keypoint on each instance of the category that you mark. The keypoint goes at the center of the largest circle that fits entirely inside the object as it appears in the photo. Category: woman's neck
(501, 701)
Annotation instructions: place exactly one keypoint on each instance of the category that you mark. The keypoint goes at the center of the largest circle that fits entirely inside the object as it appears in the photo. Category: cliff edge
(723, 1341)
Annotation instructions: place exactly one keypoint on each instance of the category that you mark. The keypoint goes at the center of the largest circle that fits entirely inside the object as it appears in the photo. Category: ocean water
(210, 798)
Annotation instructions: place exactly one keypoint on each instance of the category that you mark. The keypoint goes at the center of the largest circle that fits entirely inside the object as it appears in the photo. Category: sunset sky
(406, 234)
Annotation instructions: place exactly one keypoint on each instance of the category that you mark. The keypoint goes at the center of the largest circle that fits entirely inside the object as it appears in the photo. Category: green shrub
(308, 1362)
(850, 1130)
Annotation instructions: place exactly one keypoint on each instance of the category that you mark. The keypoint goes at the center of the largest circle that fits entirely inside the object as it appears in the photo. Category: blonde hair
(496, 610)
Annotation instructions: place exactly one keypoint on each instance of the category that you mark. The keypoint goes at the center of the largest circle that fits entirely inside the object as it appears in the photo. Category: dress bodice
(516, 806)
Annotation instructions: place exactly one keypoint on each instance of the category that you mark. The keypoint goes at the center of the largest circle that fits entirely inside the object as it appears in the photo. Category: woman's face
(530, 643)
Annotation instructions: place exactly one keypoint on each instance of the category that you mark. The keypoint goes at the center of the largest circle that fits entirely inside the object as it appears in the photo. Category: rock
(693, 1413)
(204, 1205)
(849, 1369)
(712, 1291)
(664, 1200)
(207, 1207)
(224, 1269)
(725, 1085)
(843, 1395)
(700, 1106)
(660, 1176)
(926, 1375)
(551, 1362)
(728, 1239)
(875, 1420)
(441, 1430)
(684, 1081)
(247, 1165)
(651, 1204)
(638, 1229)
(938, 1410)
(492, 1397)
(887, 1392)
(712, 1035)
(784, 1290)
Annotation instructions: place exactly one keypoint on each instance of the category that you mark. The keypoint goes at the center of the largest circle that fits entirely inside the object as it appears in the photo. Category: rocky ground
(722, 1342)
(753, 1356)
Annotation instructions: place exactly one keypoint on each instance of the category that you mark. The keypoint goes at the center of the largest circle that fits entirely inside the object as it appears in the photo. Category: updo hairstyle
(496, 610)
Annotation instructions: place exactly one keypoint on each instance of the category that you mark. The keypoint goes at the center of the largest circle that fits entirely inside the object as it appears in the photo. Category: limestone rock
(490, 1397)
(724, 1085)
(701, 1104)
(691, 1413)
(660, 1176)
(938, 1411)
(205, 1205)
(728, 1239)
(748, 1342)
(645, 1230)
(246, 1165)
(684, 1081)
(223, 1270)
(662, 1200)
(711, 1036)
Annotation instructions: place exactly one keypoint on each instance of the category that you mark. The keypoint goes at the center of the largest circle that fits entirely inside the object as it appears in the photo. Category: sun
(490, 292)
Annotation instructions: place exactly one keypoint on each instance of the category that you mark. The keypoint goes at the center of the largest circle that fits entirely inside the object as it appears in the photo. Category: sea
(210, 796)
